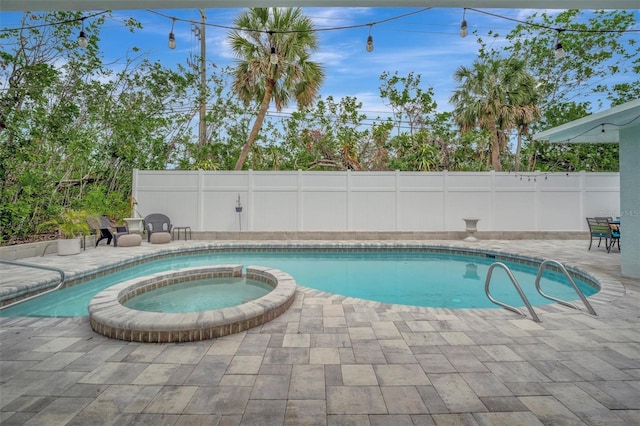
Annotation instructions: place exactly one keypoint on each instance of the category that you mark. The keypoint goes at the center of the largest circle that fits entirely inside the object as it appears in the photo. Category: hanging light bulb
(82, 38)
(273, 58)
(369, 43)
(559, 52)
(464, 30)
(172, 37)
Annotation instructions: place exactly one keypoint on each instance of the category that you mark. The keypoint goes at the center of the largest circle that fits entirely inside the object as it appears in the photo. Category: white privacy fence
(376, 201)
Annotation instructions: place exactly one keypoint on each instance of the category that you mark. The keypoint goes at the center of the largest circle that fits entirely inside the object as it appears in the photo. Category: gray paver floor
(331, 360)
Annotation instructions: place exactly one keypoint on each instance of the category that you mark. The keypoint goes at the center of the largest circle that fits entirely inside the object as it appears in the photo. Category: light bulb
(172, 41)
(464, 31)
(82, 40)
(559, 53)
(369, 43)
(273, 58)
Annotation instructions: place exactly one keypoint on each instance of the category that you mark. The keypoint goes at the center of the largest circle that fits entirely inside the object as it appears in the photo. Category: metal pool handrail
(516, 285)
(573, 283)
(31, 265)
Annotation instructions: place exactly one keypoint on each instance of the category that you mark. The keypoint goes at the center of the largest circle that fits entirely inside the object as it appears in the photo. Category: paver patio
(331, 360)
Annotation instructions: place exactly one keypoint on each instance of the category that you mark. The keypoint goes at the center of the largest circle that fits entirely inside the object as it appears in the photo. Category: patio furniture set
(157, 226)
(605, 228)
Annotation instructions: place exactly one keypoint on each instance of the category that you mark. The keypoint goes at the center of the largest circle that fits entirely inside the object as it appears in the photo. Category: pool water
(199, 295)
(408, 278)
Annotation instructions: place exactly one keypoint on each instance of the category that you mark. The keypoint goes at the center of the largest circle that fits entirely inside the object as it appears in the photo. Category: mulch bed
(50, 236)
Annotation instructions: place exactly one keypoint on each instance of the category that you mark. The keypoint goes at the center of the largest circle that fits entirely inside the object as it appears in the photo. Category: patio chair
(107, 229)
(157, 222)
(615, 233)
(103, 225)
(599, 228)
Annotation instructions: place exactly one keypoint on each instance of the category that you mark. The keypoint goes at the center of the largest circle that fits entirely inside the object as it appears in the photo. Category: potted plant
(71, 225)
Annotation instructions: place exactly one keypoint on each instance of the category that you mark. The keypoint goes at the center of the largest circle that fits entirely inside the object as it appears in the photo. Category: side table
(186, 229)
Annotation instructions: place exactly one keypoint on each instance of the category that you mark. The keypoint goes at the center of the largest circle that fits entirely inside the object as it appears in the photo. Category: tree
(587, 71)
(601, 61)
(408, 101)
(72, 129)
(495, 95)
(413, 108)
(273, 48)
(327, 136)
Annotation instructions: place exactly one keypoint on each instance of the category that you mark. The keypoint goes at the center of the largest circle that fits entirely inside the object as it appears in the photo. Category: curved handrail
(573, 283)
(31, 265)
(516, 285)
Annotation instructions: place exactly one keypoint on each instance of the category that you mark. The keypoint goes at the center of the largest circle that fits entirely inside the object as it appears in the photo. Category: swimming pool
(199, 295)
(431, 278)
(109, 315)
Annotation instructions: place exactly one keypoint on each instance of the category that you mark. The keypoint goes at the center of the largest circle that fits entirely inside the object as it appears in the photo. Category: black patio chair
(107, 229)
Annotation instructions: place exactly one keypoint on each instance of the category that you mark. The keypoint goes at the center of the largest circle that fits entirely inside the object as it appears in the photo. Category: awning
(601, 127)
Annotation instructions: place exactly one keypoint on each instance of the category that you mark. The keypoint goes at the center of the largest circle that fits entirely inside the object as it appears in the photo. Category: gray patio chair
(157, 222)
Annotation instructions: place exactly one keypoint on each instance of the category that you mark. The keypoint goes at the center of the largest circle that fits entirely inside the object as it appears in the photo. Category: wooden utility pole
(202, 137)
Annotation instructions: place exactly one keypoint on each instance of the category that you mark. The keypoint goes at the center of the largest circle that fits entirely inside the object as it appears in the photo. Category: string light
(533, 175)
(601, 125)
(547, 27)
(273, 58)
(559, 52)
(464, 30)
(369, 46)
(314, 30)
(82, 38)
(172, 37)
(228, 27)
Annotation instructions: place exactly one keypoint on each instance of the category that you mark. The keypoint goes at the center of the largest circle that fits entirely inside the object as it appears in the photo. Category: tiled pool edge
(610, 288)
(109, 317)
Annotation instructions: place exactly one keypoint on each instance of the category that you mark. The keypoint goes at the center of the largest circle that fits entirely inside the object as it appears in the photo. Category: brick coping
(110, 317)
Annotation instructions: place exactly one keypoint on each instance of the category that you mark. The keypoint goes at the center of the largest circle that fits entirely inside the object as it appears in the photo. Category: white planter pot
(68, 246)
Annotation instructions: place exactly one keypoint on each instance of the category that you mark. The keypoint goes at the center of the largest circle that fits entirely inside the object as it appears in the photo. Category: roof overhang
(34, 5)
(601, 127)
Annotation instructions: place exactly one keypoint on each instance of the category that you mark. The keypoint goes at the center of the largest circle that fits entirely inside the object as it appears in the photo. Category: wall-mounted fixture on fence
(239, 211)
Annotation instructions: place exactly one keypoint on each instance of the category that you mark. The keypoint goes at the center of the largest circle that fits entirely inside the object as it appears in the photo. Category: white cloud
(337, 17)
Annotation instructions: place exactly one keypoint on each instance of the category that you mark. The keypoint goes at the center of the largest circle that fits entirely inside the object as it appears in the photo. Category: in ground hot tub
(109, 317)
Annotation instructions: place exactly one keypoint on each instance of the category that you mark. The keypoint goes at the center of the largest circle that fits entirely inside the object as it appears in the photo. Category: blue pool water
(199, 295)
(407, 278)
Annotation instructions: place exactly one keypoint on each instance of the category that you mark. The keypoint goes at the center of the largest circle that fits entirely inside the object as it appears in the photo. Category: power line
(336, 28)
(343, 27)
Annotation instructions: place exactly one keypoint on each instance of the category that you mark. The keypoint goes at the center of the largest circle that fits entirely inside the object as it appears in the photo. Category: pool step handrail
(32, 265)
(487, 281)
(543, 265)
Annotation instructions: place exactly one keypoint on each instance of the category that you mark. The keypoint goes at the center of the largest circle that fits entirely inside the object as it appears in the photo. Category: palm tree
(495, 95)
(273, 49)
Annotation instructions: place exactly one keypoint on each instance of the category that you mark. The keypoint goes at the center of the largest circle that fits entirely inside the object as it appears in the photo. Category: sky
(425, 42)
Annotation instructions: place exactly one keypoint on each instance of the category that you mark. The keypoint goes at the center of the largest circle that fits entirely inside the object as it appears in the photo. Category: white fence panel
(376, 201)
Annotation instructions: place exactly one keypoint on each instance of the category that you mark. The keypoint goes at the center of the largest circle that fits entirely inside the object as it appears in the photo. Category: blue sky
(427, 43)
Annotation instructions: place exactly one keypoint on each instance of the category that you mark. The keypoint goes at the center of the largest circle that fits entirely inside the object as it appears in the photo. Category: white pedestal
(471, 228)
(135, 225)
